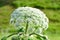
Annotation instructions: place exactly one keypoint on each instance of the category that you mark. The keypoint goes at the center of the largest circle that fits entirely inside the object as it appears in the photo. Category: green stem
(12, 34)
(42, 36)
(25, 38)
(26, 28)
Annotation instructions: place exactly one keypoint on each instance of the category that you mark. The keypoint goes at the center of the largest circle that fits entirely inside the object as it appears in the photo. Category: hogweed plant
(30, 23)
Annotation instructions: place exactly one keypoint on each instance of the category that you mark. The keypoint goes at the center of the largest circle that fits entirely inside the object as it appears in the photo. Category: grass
(51, 4)
(5, 15)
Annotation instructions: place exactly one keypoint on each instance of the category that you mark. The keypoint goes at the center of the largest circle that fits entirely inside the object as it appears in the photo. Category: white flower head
(35, 17)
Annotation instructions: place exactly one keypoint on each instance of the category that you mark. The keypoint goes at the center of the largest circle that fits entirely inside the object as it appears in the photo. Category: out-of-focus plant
(30, 24)
(41, 4)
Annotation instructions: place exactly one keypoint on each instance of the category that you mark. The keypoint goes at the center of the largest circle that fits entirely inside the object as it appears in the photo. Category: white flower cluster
(36, 18)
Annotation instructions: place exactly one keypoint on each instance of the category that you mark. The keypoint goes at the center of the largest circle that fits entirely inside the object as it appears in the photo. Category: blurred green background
(50, 7)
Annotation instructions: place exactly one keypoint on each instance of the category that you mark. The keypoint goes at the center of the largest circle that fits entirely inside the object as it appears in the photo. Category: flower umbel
(35, 17)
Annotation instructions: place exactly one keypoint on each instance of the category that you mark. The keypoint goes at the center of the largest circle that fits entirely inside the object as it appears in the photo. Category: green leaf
(4, 38)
